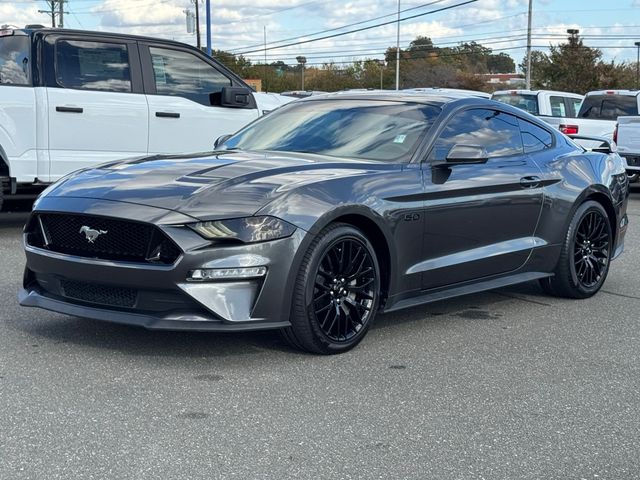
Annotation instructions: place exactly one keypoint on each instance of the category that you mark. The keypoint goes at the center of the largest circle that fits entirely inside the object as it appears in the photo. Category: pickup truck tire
(586, 253)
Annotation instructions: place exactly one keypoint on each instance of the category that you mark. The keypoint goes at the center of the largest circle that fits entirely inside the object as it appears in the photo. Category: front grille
(100, 294)
(101, 237)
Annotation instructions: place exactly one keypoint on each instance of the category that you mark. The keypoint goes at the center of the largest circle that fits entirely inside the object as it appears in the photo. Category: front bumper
(161, 296)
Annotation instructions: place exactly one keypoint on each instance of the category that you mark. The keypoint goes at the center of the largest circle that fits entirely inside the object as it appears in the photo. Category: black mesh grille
(101, 294)
(102, 237)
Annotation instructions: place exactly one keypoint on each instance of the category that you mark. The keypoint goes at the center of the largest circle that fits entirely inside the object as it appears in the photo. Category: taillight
(615, 134)
(569, 129)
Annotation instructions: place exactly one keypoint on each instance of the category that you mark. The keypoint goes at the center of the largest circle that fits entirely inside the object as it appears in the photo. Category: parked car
(543, 103)
(320, 214)
(627, 136)
(72, 99)
(599, 113)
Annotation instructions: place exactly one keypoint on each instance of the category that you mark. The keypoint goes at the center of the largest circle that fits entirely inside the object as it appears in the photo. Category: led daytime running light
(241, 273)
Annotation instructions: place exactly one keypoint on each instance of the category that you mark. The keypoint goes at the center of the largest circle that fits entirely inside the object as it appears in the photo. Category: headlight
(247, 230)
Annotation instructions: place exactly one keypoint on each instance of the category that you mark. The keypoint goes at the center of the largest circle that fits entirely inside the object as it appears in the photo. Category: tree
(500, 63)
(570, 66)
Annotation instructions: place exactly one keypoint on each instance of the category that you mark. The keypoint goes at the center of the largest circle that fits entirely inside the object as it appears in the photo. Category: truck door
(96, 109)
(183, 94)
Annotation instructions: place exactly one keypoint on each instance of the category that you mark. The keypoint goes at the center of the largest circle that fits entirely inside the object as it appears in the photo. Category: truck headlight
(246, 230)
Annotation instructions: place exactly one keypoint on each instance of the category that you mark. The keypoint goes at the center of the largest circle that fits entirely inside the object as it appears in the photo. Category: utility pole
(208, 16)
(264, 27)
(55, 7)
(398, 50)
(528, 76)
(61, 14)
(197, 4)
(637, 44)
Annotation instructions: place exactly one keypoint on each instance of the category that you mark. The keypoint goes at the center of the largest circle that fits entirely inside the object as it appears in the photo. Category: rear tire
(586, 253)
(336, 294)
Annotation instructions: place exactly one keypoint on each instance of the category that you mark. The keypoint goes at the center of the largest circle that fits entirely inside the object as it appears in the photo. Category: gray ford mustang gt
(330, 209)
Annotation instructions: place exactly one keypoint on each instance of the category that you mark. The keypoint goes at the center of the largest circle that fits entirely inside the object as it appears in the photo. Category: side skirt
(467, 289)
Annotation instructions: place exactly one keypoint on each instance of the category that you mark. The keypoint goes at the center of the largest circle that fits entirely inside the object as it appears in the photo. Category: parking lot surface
(509, 384)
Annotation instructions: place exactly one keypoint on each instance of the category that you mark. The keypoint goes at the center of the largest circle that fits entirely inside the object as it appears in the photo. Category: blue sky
(238, 25)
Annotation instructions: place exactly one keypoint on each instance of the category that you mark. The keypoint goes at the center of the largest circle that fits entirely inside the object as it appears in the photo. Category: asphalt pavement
(509, 384)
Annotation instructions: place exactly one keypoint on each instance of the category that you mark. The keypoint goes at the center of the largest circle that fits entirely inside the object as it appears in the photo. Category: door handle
(167, 115)
(70, 109)
(530, 182)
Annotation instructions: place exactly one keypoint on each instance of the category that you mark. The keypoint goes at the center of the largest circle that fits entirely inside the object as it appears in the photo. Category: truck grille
(101, 237)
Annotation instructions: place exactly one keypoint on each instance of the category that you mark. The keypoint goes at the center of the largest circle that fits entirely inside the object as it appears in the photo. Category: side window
(574, 107)
(558, 108)
(497, 132)
(92, 66)
(534, 138)
(183, 74)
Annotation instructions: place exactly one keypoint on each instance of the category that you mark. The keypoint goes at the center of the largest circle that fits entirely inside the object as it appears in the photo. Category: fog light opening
(208, 274)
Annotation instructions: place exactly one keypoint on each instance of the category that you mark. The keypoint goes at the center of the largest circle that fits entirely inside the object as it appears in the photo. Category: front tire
(586, 254)
(337, 292)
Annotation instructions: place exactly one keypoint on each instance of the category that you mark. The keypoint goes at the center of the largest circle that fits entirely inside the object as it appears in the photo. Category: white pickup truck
(546, 104)
(627, 136)
(72, 99)
(599, 113)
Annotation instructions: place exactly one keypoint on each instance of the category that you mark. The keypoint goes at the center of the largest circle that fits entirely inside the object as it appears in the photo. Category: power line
(366, 28)
(343, 26)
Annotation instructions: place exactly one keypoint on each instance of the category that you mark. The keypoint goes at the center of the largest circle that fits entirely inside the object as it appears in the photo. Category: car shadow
(140, 342)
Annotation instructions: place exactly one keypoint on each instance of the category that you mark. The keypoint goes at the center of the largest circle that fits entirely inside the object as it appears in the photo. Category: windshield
(526, 102)
(360, 129)
(14, 60)
(609, 107)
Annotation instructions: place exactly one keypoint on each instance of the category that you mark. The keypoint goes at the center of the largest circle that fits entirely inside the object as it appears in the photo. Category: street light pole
(208, 17)
(302, 60)
(528, 77)
(637, 44)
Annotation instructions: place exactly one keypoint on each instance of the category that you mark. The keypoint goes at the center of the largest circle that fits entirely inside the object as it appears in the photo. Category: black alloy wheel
(592, 247)
(337, 292)
(344, 292)
(586, 254)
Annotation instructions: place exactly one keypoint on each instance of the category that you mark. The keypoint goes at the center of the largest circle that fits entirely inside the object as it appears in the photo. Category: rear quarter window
(15, 68)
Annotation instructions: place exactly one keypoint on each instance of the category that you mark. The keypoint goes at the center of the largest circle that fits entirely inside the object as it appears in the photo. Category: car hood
(206, 186)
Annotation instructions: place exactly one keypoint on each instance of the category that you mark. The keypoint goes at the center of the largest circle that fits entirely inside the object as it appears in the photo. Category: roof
(523, 91)
(431, 97)
(124, 36)
(632, 93)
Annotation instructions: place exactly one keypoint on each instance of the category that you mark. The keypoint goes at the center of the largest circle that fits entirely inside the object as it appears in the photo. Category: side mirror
(220, 140)
(235, 97)
(467, 154)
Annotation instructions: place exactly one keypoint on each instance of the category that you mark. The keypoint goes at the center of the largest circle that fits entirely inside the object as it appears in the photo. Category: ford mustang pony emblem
(91, 234)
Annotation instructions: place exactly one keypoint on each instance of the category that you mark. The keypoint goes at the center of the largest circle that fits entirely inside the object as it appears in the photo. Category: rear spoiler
(606, 145)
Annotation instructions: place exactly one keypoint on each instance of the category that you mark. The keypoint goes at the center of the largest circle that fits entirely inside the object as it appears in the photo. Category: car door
(97, 111)
(480, 218)
(184, 97)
